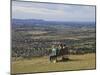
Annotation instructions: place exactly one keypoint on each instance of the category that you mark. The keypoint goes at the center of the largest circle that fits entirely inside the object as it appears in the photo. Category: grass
(42, 64)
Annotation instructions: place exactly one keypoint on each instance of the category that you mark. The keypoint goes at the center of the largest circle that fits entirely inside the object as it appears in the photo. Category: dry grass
(42, 64)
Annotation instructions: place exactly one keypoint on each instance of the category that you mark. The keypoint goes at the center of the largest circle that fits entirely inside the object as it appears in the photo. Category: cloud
(57, 12)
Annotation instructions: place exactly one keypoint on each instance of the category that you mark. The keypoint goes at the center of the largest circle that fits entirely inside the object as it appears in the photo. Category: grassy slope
(42, 64)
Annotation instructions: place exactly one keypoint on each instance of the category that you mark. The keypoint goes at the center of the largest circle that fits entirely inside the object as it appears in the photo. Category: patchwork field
(42, 64)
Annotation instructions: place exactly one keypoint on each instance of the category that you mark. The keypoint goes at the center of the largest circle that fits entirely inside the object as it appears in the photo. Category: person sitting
(53, 54)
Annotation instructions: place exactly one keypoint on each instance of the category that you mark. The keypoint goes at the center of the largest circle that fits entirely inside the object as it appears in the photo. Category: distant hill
(39, 22)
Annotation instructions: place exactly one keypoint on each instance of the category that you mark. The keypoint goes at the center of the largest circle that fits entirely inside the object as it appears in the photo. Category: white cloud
(55, 12)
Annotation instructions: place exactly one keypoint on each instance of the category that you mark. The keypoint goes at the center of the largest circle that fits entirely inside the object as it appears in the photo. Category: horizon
(56, 21)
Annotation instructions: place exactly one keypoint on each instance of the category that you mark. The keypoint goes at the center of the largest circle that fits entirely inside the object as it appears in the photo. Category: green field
(42, 64)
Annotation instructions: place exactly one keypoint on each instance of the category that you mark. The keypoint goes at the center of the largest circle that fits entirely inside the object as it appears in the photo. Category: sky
(52, 12)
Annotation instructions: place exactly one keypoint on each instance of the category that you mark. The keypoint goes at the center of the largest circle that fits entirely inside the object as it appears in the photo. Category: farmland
(36, 39)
